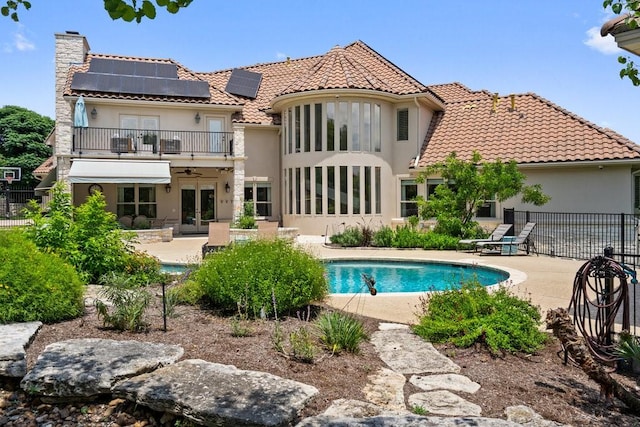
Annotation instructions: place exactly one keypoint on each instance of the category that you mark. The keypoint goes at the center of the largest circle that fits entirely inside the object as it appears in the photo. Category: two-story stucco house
(314, 143)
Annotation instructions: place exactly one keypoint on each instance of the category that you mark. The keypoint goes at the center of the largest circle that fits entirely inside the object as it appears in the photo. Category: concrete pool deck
(546, 281)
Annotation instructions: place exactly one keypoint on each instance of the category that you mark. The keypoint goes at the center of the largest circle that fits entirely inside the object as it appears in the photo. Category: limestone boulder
(213, 394)
(14, 339)
(89, 367)
(404, 421)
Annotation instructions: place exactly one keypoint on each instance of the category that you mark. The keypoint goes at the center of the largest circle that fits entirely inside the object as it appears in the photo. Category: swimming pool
(345, 276)
(395, 276)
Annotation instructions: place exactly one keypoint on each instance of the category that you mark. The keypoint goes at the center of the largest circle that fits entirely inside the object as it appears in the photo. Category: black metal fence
(579, 235)
(13, 199)
(584, 236)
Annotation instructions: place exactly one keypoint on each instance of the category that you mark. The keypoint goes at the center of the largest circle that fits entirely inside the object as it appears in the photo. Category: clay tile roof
(217, 96)
(535, 131)
(616, 25)
(355, 66)
(46, 167)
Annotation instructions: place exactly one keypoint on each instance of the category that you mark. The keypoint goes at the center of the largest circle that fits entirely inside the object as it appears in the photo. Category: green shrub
(89, 238)
(268, 276)
(383, 238)
(432, 240)
(471, 314)
(339, 331)
(35, 285)
(145, 269)
(407, 237)
(129, 303)
(302, 347)
(247, 220)
(350, 237)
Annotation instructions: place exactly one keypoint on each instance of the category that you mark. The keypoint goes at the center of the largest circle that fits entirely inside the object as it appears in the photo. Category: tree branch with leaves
(632, 9)
(469, 184)
(127, 10)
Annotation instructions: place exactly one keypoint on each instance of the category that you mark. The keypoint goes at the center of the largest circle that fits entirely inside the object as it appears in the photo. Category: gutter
(418, 145)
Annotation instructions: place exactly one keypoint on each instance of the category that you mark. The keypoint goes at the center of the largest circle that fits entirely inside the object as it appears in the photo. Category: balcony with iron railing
(144, 143)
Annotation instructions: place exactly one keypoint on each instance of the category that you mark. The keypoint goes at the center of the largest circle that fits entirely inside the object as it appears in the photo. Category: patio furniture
(267, 229)
(121, 145)
(522, 239)
(496, 235)
(219, 237)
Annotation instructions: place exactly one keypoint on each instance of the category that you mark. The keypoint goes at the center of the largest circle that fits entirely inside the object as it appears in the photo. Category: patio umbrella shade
(80, 118)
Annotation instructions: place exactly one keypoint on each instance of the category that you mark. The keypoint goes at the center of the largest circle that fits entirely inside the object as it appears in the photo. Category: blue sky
(552, 48)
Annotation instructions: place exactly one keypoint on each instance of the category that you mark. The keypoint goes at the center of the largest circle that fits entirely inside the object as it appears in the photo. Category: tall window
(366, 127)
(307, 190)
(344, 128)
(296, 196)
(356, 189)
(290, 186)
(344, 191)
(318, 189)
(136, 199)
(367, 190)
(408, 194)
(307, 128)
(297, 128)
(378, 190)
(355, 126)
(403, 125)
(331, 124)
(290, 133)
(375, 129)
(259, 193)
(318, 126)
(331, 190)
(636, 192)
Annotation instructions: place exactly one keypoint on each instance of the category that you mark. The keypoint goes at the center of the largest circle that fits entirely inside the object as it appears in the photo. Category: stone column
(70, 49)
(238, 171)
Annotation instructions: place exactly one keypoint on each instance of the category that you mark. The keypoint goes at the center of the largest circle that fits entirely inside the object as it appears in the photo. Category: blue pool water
(345, 276)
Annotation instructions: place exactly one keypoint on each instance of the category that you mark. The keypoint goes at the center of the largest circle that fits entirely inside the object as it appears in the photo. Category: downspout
(418, 145)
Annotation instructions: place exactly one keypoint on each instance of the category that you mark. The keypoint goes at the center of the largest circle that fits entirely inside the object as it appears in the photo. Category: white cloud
(281, 56)
(606, 45)
(22, 43)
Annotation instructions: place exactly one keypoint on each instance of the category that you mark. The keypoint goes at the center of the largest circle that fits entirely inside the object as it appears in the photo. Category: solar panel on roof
(133, 68)
(244, 83)
(138, 85)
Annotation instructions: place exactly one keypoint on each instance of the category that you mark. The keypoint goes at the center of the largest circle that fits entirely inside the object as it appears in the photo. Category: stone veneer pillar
(70, 49)
(238, 171)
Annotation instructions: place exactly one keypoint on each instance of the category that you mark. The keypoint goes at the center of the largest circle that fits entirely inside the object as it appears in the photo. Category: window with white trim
(136, 199)
(408, 194)
(259, 194)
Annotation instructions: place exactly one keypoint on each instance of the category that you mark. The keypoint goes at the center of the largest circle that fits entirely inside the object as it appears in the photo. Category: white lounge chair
(496, 235)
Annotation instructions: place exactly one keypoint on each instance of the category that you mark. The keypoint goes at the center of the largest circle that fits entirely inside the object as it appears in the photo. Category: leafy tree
(127, 10)
(22, 136)
(467, 184)
(632, 7)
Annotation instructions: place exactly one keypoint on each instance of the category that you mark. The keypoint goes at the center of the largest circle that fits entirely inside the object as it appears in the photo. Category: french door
(197, 205)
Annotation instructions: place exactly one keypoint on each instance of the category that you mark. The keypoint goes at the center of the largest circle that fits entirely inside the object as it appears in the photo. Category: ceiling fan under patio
(190, 172)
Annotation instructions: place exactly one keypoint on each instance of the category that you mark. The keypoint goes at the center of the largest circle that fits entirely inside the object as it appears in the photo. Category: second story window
(403, 124)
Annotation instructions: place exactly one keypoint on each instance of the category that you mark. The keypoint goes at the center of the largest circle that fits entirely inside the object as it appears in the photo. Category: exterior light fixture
(197, 117)
(94, 113)
(167, 188)
(227, 188)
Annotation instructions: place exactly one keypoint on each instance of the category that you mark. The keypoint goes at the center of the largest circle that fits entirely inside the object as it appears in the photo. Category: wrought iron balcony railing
(151, 142)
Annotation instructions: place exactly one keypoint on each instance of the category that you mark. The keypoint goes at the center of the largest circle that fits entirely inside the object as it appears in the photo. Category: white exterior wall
(581, 189)
(262, 150)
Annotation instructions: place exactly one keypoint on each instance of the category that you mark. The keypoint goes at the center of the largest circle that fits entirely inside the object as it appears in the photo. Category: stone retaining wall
(154, 235)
